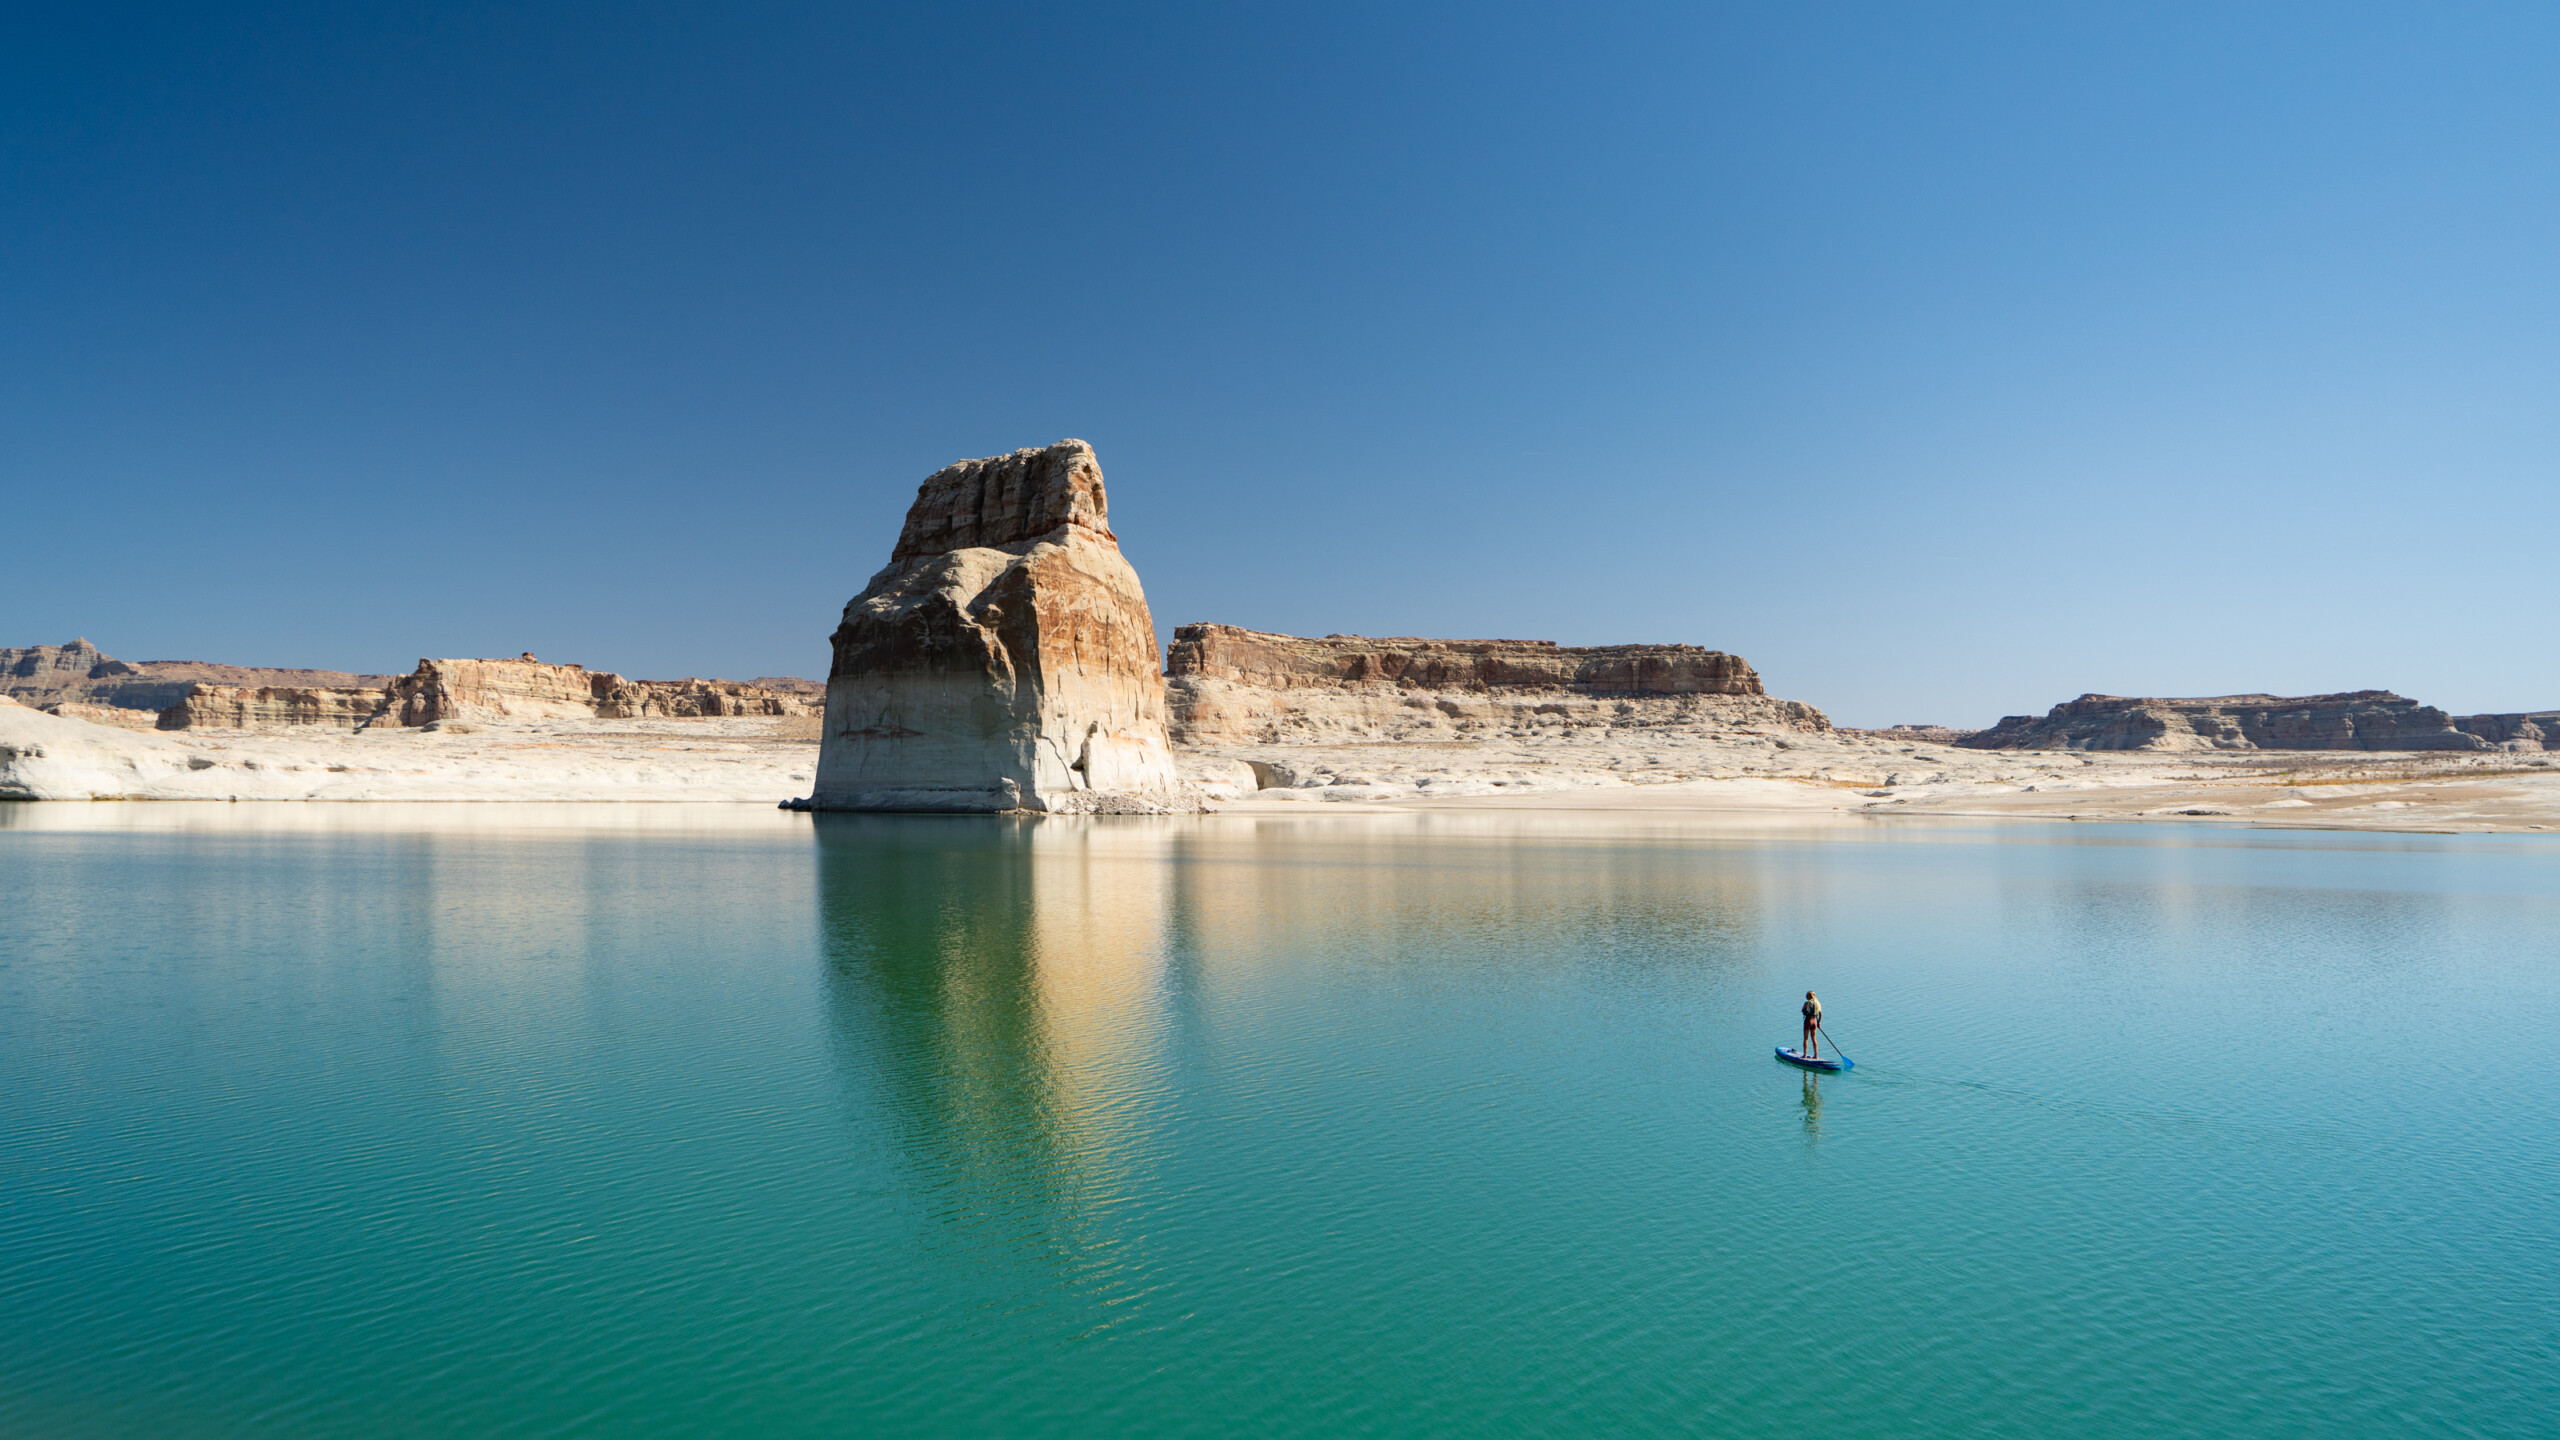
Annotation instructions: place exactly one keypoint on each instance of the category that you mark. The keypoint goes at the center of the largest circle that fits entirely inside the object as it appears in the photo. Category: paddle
(1845, 1061)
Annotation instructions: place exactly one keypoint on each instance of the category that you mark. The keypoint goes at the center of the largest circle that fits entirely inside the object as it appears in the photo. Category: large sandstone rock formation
(1229, 686)
(2356, 720)
(1005, 659)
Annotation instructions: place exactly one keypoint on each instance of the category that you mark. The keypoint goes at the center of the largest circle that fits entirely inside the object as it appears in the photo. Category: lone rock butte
(1005, 659)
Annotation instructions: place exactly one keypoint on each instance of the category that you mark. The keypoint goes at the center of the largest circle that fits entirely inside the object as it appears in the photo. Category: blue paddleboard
(1818, 1062)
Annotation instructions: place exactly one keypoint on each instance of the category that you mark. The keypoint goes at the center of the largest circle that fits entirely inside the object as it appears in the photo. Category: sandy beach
(2353, 791)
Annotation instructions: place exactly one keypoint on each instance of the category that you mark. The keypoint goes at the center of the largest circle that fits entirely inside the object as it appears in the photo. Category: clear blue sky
(1944, 360)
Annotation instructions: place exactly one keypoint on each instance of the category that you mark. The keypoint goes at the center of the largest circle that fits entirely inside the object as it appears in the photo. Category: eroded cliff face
(1279, 662)
(2525, 730)
(1228, 686)
(76, 680)
(2353, 720)
(48, 672)
(1004, 659)
(528, 689)
(522, 689)
(273, 707)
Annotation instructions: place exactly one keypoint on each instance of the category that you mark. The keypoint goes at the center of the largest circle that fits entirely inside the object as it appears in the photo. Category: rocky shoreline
(1833, 777)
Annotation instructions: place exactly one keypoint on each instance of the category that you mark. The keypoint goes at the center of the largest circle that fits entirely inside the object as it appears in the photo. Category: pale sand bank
(1811, 779)
(1737, 776)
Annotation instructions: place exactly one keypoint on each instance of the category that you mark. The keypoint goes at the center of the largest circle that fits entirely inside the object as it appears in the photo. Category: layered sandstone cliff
(1228, 686)
(76, 680)
(527, 688)
(1004, 659)
(2355, 720)
(1280, 662)
(272, 707)
(491, 689)
(2528, 730)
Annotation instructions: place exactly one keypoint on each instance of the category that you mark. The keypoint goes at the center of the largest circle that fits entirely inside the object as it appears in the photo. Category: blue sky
(1946, 361)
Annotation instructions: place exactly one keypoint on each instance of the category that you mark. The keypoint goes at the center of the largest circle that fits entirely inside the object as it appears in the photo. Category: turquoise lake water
(639, 1121)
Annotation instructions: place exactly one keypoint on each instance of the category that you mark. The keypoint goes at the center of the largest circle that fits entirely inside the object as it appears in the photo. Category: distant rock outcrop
(791, 685)
(2356, 720)
(526, 688)
(40, 673)
(704, 699)
(271, 707)
(49, 676)
(455, 690)
(2528, 730)
(75, 680)
(1231, 686)
(493, 689)
(1277, 662)
(1918, 734)
(1005, 659)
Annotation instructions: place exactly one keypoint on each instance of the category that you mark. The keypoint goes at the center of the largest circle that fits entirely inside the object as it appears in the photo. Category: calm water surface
(366, 1121)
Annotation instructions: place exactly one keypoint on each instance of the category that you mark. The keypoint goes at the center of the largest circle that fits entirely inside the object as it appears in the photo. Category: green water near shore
(461, 1123)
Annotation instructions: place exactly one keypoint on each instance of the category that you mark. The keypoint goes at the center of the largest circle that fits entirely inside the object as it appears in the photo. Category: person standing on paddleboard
(1812, 1027)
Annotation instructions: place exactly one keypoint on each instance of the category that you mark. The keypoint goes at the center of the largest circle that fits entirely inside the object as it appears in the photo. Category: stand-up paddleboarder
(1812, 1027)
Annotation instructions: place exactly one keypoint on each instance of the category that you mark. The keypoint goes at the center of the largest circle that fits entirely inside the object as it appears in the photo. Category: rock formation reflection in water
(997, 986)
(1050, 1016)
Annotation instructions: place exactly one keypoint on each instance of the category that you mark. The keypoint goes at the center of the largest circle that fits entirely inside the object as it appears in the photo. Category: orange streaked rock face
(1005, 659)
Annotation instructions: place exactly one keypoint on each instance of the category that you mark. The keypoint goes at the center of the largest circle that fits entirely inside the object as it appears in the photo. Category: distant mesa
(1232, 686)
(274, 707)
(790, 685)
(1004, 659)
(526, 688)
(77, 681)
(2521, 730)
(1279, 662)
(2354, 720)
(1919, 734)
